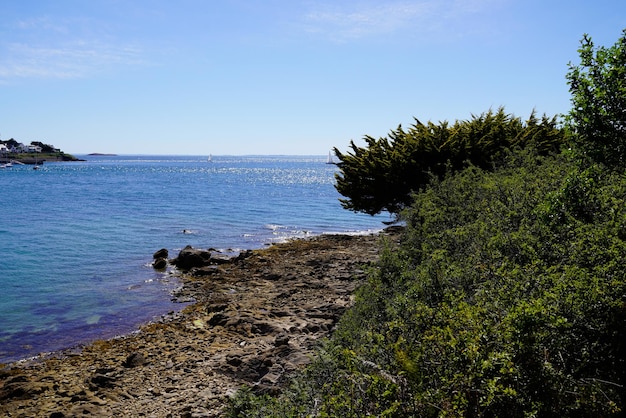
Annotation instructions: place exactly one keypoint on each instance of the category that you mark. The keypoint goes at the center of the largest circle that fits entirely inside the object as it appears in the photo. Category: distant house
(33, 148)
(3, 149)
(18, 148)
(21, 148)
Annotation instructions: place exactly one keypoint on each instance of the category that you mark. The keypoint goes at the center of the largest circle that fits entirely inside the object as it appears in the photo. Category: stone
(218, 319)
(159, 264)
(134, 360)
(162, 253)
(281, 339)
(102, 381)
(190, 257)
(204, 270)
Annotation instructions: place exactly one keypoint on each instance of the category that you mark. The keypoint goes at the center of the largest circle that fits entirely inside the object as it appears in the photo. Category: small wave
(354, 232)
(274, 227)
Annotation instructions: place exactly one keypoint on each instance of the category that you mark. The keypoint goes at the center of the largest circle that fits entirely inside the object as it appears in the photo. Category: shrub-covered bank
(507, 296)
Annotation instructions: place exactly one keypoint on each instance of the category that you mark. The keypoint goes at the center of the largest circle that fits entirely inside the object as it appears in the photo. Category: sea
(77, 238)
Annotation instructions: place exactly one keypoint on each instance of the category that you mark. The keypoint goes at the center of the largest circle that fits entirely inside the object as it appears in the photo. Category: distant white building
(33, 148)
(3, 149)
(21, 148)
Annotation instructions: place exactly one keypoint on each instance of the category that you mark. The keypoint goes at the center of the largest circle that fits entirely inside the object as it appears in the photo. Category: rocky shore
(39, 159)
(256, 319)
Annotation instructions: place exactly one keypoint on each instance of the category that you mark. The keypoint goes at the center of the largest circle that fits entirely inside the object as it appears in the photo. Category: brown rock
(190, 257)
(159, 264)
(134, 360)
(162, 253)
(281, 339)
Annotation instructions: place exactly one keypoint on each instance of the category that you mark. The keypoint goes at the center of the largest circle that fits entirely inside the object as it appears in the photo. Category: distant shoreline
(39, 159)
(99, 154)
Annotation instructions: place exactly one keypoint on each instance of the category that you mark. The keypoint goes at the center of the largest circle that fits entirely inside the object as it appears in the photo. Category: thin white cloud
(45, 49)
(73, 60)
(42, 23)
(365, 19)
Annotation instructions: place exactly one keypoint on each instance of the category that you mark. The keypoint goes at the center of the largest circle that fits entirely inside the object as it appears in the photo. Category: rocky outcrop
(190, 257)
(162, 253)
(256, 320)
(160, 259)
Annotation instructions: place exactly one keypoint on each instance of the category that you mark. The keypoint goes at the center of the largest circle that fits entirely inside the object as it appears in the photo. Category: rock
(134, 359)
(204, 270)
(159, 264)
(87, 410)
(281, 339)
(252, 369)
(20, 387)
(263, 328)
(102, 381)
(234, 360)
(190, 257)
(162, 253)
(218, 319)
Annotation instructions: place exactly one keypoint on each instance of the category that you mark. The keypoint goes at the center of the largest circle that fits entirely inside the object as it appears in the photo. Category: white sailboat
(210, 159)
(330, 158)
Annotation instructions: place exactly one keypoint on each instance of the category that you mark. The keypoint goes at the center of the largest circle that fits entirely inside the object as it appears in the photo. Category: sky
(288, 77)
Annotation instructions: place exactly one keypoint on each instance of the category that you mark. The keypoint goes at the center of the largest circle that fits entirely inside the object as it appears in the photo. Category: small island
(34, 153)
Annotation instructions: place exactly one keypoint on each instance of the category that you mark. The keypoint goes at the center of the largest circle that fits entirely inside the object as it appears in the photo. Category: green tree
(598, 114)
(46, 148)
(383, 175)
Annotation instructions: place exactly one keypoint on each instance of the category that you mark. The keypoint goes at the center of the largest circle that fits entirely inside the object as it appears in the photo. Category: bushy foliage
(598, 114)
(506, 298)
(382, 175)
(45, 148)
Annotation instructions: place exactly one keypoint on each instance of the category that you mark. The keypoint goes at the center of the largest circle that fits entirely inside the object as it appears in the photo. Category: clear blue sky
(278, 76)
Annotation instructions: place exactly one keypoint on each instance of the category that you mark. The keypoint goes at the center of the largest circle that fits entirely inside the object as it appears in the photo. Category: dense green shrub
(506, 298)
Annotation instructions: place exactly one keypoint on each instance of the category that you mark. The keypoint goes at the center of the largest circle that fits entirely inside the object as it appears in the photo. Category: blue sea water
(77, 238)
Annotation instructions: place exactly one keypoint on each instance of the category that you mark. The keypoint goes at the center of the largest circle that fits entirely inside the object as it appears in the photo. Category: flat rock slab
(256, 320)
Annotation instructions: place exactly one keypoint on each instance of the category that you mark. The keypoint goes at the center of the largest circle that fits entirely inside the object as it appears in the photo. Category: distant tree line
(45, 148)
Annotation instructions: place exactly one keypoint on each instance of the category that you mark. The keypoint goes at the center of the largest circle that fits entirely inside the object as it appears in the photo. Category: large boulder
(159, 264)
(162, 253)
(190, 257)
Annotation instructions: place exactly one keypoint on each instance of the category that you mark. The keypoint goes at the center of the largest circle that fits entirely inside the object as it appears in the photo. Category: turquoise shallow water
(76, 239)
